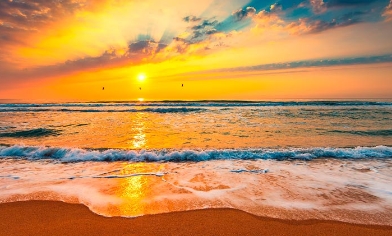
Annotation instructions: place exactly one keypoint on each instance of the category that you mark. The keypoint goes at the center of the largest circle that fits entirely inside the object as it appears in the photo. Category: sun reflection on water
(139, 139)
(136, 190)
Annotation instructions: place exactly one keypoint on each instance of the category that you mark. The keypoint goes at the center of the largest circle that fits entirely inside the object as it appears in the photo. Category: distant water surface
(215, 125)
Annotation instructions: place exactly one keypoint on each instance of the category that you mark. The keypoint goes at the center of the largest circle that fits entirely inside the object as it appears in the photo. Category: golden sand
(58, 218)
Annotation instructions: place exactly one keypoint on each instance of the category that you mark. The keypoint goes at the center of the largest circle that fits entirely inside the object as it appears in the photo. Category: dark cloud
(139, 46)
(197, 34)
(344, 3)
(179, 39)
(352, 16)
(211, 31)
(107, 58)
(320, 6)
(243, 13)
(316, 63)
(312, 26)
(319, 25)
(191, 18)
(205, 24)
(149, 47)
(161, 46)
(207, 27)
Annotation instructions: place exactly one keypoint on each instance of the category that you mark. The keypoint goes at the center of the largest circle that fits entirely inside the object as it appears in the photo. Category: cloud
(272, 21)
(388, 12)
(191, 19)
(110, 58)
(319, 25)
(21, 19)
(350, 16)
(267, 21)
(143, 49)
(144, 46)
(316, 63)
(25, 15)
(207, 27)
(205, 24)
(211, 31)
(243, 13)
(307, 26)
(180, 49)
(345, 3)
(276, 7)
(318, 6)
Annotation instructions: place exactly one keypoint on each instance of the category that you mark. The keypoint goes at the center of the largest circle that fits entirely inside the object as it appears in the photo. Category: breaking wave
(150, 109)
(206, 103)
(387, 132)
(40, 132)
(83, 155)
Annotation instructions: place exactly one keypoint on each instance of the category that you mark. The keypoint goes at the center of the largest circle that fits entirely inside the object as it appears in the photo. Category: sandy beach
(58, 218)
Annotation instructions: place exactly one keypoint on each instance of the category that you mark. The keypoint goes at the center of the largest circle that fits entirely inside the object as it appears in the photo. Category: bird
(140, 88)
(182, 85)
(103, 88)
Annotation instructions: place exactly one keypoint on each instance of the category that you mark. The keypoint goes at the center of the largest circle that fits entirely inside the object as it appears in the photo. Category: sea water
(283, 159)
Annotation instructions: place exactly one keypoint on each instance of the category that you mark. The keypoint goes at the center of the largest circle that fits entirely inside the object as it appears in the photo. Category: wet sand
(58, 218)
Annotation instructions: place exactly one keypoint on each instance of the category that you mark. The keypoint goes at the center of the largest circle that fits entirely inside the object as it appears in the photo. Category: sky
(106, 50)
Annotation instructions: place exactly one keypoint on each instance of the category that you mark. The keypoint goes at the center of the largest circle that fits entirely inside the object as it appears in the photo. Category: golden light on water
(140, 99)
(139, 138)
(134, 190)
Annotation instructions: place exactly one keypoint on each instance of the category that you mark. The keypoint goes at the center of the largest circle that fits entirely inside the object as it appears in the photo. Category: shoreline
(59, 218)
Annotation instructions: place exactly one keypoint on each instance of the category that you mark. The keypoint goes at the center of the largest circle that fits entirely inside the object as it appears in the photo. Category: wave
(387, 132)
(40, 132)
(156, 110)
(83, 155)
(199, 104)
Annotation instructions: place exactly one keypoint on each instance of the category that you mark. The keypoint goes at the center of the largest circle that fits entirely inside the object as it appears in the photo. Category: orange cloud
(388, 12)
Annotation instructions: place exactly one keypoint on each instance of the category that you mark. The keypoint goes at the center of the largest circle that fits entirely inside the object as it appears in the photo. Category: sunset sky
(218, 49)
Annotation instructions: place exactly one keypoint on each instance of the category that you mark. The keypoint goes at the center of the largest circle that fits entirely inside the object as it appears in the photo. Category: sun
(141, 77)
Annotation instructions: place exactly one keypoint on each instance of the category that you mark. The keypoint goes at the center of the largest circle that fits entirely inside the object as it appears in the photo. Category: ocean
(329, 160)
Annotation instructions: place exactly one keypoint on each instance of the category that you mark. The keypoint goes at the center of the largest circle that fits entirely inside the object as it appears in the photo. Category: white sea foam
(333, 189)
(80, 155)
(285, 187)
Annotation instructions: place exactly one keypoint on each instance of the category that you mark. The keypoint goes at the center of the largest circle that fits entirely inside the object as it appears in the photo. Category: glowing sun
(141, 77)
